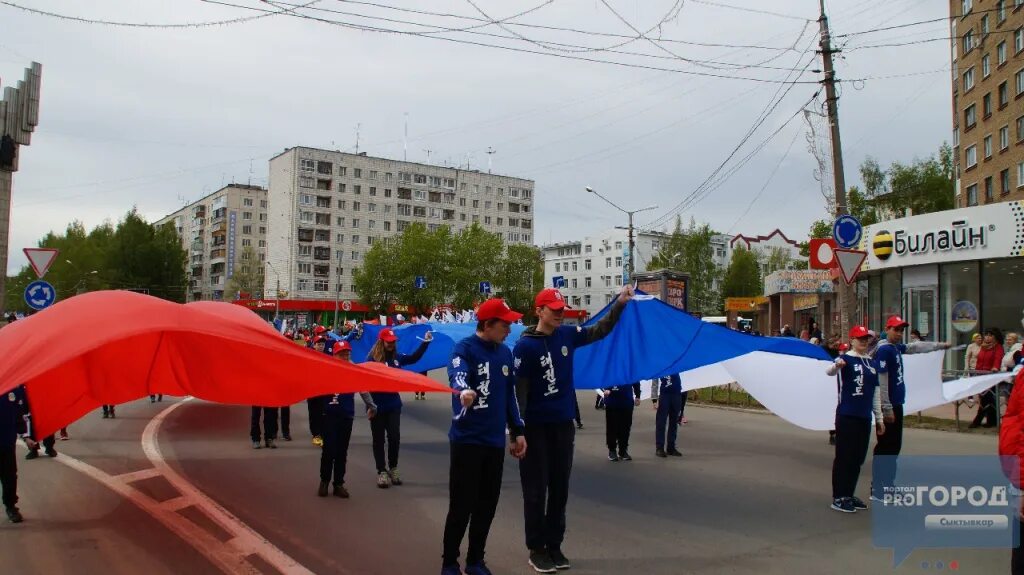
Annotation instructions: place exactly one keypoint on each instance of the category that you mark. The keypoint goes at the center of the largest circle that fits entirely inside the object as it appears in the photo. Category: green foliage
(135, 254)
(743, 277)
(778, 259)
(247, 276)
(820, 229)
(453, 265)
(690, 251)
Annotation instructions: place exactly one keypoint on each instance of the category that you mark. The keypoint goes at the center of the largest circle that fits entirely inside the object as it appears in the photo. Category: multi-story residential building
(327, 208)
(592, 269)
(987, 51)
(765, 245)
(215, 230)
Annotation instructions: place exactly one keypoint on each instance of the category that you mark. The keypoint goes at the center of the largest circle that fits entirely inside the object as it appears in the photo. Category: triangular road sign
(849, 263)
(41, 259)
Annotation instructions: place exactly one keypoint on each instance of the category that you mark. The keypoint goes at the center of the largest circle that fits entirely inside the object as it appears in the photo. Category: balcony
(218, 254)
(197, 248)
(305, 235)
(198, 224)
(199, 212)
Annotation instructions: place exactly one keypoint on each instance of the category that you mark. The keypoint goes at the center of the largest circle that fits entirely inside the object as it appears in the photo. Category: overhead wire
(165, 25)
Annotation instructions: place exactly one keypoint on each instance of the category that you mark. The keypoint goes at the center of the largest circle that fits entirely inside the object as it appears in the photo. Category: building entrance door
(920, 309)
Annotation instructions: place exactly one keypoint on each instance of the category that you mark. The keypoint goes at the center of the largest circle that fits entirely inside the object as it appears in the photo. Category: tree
(247, 277)
(743, 277)
(475, 257)
(690, 251)
(141, 256)
(777, 259)
(820, 229)
(517, 275)
(377, 281)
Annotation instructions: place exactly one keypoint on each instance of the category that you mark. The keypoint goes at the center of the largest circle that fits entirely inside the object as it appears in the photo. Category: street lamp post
(82, 276)
(632, 246)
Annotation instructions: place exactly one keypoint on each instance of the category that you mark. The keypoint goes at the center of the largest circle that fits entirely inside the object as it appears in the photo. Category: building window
(607, 262)
(1004, 95)
(966, 6)
(263, 229)
(355, 256)
(618, 261)
(307, 165)
(586, 264)
(305, 251)
(970, 116)
(972, 195)
(1001, 53)
(1018, 40)
(1004, 137)
(1004, 181)
(306, 217)
(968, 41)
(355, 240)
(971, 156)
(988, 189)
(355, 222)
(1018, 79)
(357, 189)
(356, 206)
(986, 66)
(247, 202)
(373, 174)
(342, 171)
(574, 283)
(340, 239)
(574, 264)
(618, 245)
(305, 199)
(387, 192)
(341, 188)
(1020, 129)
(969, 80)
(558, 267)
(306, 182)
(373, 191)
(986, 105)
(387, 226)
(357, 173)
(1020, 174)
(305, 268)
(247, 230)
(1000, 10)
(987, 147)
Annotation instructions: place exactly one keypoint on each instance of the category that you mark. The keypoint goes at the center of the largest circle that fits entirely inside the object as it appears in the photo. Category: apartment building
(591, 270)
(327, 208)
(987, 50)
(215, 230)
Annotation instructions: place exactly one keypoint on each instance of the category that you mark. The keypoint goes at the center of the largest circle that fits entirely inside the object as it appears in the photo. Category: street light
(632, 246)
(82, 276)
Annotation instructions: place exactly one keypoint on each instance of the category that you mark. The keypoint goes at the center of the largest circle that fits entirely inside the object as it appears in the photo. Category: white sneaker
(383, 480)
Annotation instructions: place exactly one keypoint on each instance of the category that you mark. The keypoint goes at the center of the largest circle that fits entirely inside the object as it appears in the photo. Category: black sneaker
(625, 456)
(674, 452)
(843, 505)
(287, 437)
(560, 560)
(661, 453)
(271, 444)
(256, 445)
(612, 456)
(340, 491)
(541, 562)
(51, 452)
(322, 490)
(13, 515)
(32, 454)
(857, 503)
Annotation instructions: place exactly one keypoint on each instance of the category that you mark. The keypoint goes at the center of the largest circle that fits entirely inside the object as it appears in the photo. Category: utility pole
(632, 246)
(632, 249)
(846, 294)
(19, 116)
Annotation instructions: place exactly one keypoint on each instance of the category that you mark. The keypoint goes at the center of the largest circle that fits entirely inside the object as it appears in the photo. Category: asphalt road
(750, 495)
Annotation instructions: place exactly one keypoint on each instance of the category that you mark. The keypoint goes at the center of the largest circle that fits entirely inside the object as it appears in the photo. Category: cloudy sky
(156, 117)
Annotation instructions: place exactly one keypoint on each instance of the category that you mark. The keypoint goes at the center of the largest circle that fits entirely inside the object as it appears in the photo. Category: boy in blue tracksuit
(859, 399)
(386, 424)
(618, 416)
(546, 393)
(15, 422)
(339, 412)
(667, 395)
(894, 394)
(480, 372)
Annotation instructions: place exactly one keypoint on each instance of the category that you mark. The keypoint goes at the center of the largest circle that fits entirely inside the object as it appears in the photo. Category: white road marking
(134, 476)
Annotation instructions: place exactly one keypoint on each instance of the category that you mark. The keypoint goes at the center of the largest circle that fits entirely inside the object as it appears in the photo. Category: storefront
(950, 274)
(795, 297)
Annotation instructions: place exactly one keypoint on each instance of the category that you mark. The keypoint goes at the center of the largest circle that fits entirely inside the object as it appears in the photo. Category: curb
(730, 408)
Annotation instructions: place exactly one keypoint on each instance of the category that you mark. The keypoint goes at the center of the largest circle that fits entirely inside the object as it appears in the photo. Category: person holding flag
(889, 356)
(667, 395)
(485, 406)
(547, 398)
(339, 413)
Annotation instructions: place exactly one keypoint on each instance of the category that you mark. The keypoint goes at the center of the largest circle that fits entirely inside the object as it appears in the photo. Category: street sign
(485, 287)
(821, 250)
(41, 259)
(40, 295)
(847, 231)
(849, 263)
(421, 282)
(558, 281)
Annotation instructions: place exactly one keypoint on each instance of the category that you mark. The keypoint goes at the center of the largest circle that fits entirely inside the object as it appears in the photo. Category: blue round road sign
(40, 295)
(847, 231)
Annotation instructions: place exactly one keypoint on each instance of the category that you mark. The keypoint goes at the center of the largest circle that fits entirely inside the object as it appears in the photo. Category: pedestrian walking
(990, 358)
(667, 395)
(385, 426)
(155, 398)
(108, 412)
(889, 356)
(971, 355)
(48, 443)
(480, 371)
(546, 392)
(315, 405)
(64, 434)
(15, 421)
(269, 415)
(859, 399)
(339, 413)
(618, 416)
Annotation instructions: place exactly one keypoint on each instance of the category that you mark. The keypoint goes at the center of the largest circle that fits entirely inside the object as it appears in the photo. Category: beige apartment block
(214, 231)
(327, 208)
(988, 100)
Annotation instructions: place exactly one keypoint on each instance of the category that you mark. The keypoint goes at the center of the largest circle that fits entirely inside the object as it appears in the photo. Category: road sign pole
(6, 179)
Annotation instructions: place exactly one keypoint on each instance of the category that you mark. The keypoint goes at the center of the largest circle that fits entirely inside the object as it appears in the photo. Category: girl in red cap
(859, 399)
(387, 422)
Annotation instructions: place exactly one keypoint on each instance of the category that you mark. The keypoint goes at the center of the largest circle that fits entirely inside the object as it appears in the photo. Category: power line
(774, 171)
(83, 20)
(752, 10)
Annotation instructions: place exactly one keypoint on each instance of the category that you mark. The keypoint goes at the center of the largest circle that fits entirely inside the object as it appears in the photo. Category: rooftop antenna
(405, 140)
(428, 154)
(358, 126)
(490, 155)
(250, 171)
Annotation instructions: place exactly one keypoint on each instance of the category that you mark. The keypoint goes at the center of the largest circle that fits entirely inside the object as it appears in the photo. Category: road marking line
(202, 540)
(244, 537)
(134, 476)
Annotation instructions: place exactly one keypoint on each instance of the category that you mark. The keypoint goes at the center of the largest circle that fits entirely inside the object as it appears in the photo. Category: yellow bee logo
(882, 245)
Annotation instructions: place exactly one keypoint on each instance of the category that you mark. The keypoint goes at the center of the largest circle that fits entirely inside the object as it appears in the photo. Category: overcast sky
(159, 117)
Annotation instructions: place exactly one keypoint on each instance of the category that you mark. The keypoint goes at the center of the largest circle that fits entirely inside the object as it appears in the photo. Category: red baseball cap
(319, 339)
(496, 308)
(341, 346)
(896, 321)
(319, 329)
(550, 298)
(859, 331)
(387, 334)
